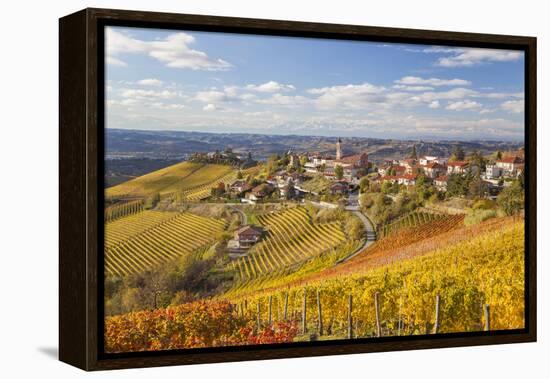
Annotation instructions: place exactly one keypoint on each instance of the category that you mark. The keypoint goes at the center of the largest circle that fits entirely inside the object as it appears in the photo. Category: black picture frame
(81, 128)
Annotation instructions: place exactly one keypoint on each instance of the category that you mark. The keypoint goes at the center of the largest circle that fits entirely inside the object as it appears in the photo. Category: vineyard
(402, 244)
(450, 289)
(139, 242)
(291, 238)
(192, 325)
(171, 180)
(123, 209)
(201, 191)
(408, 221)
(487, 269)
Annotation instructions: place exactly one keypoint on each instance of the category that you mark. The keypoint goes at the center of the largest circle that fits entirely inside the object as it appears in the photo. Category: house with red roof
(457, 167)
(434, 169)
(510, 165)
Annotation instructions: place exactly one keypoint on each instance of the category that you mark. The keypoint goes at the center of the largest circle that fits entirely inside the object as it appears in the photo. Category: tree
(364, 184)
(499, 155)
(478, 188)
(511, 199)
(322, 168)
(303, 160)
(423, 187)
(386, 187)
(413, 153)
(272, 164)
(290, 190)
(152, 201)
(219, 190)
(456, 186)
(458, 153)
(239, 175)
(339, 172)
(477, 159)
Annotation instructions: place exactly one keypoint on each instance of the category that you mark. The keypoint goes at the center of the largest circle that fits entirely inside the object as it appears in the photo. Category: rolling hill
(181, 177)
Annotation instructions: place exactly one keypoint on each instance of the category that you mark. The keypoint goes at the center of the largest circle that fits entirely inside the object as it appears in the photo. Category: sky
(236, 83)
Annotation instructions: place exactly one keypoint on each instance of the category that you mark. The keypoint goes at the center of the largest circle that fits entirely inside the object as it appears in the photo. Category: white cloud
(485, 110)
(165, 106)
(284, 100)
(150, 82)
(271, 86)
(470, 57)
(213, 96)
(415, 80)
(513, 106)
(112, 61)
(211, 107)
(463, 105)
(142, 94)
(173, 51)
(434, 104)
(412, 88)
(350, 96)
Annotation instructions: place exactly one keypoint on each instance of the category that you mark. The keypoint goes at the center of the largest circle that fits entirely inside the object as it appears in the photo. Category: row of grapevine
(125, 228)
(157, 181)
(171, 238)
(203, 191)
(449, 287)
(191, 325)
(487, 269)
(123, 209)
(410, 220)
(403, 244)
(291, 238)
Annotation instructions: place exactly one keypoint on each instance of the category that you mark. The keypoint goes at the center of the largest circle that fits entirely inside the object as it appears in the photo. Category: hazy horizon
(419, 138)
(236, 83)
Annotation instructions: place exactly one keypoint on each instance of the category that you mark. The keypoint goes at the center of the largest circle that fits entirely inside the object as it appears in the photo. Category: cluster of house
(353, 166)
(285, 183)
(406, 171)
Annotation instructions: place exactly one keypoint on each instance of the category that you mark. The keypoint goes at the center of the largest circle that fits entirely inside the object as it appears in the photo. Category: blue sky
(215, 82)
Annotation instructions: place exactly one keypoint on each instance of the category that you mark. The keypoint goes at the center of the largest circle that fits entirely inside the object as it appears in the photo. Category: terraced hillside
(142, 241)
(400, 245)
(466, 268)
(130, 226)
(291, 238)
(203, 191)
(170, 180)
(410, 220)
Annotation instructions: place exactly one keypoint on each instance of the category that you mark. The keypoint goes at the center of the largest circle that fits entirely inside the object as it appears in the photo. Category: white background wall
(28, 190)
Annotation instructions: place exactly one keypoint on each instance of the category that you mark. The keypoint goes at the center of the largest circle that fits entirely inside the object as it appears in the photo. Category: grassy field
(170, 180)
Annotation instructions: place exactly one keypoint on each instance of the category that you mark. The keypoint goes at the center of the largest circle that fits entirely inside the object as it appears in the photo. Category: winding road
(353, 207)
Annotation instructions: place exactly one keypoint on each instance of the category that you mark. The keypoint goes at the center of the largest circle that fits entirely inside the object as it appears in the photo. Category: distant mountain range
(178, 145)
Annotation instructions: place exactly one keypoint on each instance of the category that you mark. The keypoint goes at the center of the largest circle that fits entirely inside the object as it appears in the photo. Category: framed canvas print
(238, 189)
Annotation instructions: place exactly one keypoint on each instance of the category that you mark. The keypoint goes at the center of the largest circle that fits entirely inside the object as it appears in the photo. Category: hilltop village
(334, 177)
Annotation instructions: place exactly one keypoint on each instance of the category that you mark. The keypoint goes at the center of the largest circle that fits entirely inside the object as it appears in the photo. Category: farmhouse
(245, 237)
(239, 186)
(510, 165)
(259, 192)
(392, 169)
(493, 171)
(457, 167)
(434, 169)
